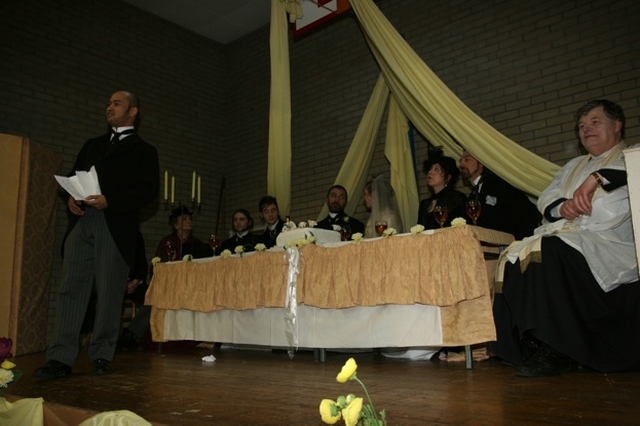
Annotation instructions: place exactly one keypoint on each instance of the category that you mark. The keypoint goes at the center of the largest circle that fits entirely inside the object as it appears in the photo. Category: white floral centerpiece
(260, 247)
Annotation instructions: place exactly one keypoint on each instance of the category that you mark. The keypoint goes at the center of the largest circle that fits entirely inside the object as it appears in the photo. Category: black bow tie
(115, 136)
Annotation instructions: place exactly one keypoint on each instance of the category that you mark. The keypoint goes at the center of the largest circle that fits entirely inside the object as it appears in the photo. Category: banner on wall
(317, 13)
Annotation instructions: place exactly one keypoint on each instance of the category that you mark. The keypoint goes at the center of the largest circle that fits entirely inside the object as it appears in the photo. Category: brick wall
(523, 66)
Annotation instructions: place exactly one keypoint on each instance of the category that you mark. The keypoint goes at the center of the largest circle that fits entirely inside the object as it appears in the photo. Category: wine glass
(345, 232)
(171, 251)
(381, 226)
(214, 242)
(440, 214)
(474, 207)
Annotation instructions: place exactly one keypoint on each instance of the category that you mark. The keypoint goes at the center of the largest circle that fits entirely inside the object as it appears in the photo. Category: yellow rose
(352, 412)
(329, 412)
(7, 365)
(348, 370)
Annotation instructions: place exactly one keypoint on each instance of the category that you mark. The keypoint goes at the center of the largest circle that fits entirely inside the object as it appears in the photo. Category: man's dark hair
(246, 213)
(266, 201)
(611, 109)
(134, 101)
(338, 187)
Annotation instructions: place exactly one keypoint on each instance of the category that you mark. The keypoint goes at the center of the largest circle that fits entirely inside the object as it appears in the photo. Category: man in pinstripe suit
(100, 247)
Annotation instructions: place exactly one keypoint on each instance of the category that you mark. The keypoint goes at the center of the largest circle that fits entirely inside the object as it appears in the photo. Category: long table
(429, 289)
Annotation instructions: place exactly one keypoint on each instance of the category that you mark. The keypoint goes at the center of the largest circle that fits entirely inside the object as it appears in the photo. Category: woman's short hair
(447, 164)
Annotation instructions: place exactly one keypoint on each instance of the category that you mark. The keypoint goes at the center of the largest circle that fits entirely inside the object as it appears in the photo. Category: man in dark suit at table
(504, 207)
(100, 248)
(336, 202)
(270, 214)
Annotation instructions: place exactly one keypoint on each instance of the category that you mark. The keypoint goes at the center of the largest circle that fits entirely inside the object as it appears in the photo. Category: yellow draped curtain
(417, 94)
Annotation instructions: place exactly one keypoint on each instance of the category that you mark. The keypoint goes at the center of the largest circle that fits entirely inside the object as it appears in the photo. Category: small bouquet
(8, 373)
(350, 408)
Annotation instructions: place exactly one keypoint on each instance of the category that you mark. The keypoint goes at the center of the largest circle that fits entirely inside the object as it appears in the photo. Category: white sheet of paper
(82, 184)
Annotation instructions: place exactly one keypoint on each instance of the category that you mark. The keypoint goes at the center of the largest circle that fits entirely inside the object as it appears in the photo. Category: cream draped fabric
(403, 178)
(439, 114)
(353, 173)
(279, 164)
(416, 93)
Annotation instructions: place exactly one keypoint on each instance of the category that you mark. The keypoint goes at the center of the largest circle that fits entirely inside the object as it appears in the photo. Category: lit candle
(199, 188)
(193, 186)
(166, 185)
(173, 189)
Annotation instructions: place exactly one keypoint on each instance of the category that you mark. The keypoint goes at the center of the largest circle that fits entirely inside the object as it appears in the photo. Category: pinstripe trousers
(90, 258)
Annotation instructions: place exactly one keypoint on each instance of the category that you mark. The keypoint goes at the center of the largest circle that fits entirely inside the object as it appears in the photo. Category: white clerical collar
(121, 129)
(333, 215)
(476, 180)
(242, 234)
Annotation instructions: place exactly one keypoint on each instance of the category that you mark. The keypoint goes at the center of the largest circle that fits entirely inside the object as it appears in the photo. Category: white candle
(193, 186)
(199, 188)
(166, 185)
(173, 189)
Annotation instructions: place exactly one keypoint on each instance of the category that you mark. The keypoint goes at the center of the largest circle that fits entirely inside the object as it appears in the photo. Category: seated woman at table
(380, 201)
(442, 175)
(242, 223)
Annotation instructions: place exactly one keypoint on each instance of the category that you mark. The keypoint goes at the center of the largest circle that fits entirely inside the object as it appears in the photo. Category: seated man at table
(242, 223)
(270, 214)
(336, 202)
(571, 293)
(504, 207)
(181, 241)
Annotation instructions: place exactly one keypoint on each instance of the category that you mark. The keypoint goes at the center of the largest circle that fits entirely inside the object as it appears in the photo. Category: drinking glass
(345, 232)
(214, 242)
(474, 208)
(381, 226)
(440, 214)
(171, 251)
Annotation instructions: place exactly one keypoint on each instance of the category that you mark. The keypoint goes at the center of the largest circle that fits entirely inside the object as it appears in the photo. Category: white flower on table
(260, 247)
(156, 260)
(389, 232)
(417, 229)
(458, 221)
(187, 258)
(225, 253)
(357, 237)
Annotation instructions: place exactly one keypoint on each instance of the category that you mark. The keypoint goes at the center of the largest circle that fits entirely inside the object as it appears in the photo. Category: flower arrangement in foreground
(8, 374)
(351, 408)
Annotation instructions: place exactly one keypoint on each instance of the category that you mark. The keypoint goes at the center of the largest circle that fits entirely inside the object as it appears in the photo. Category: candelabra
(170, 192)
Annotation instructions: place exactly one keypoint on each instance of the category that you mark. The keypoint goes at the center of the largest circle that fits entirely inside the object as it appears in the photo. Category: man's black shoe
(129, 342)
(52, 369)
(101, 366)
(545, 362)
(529, 346)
